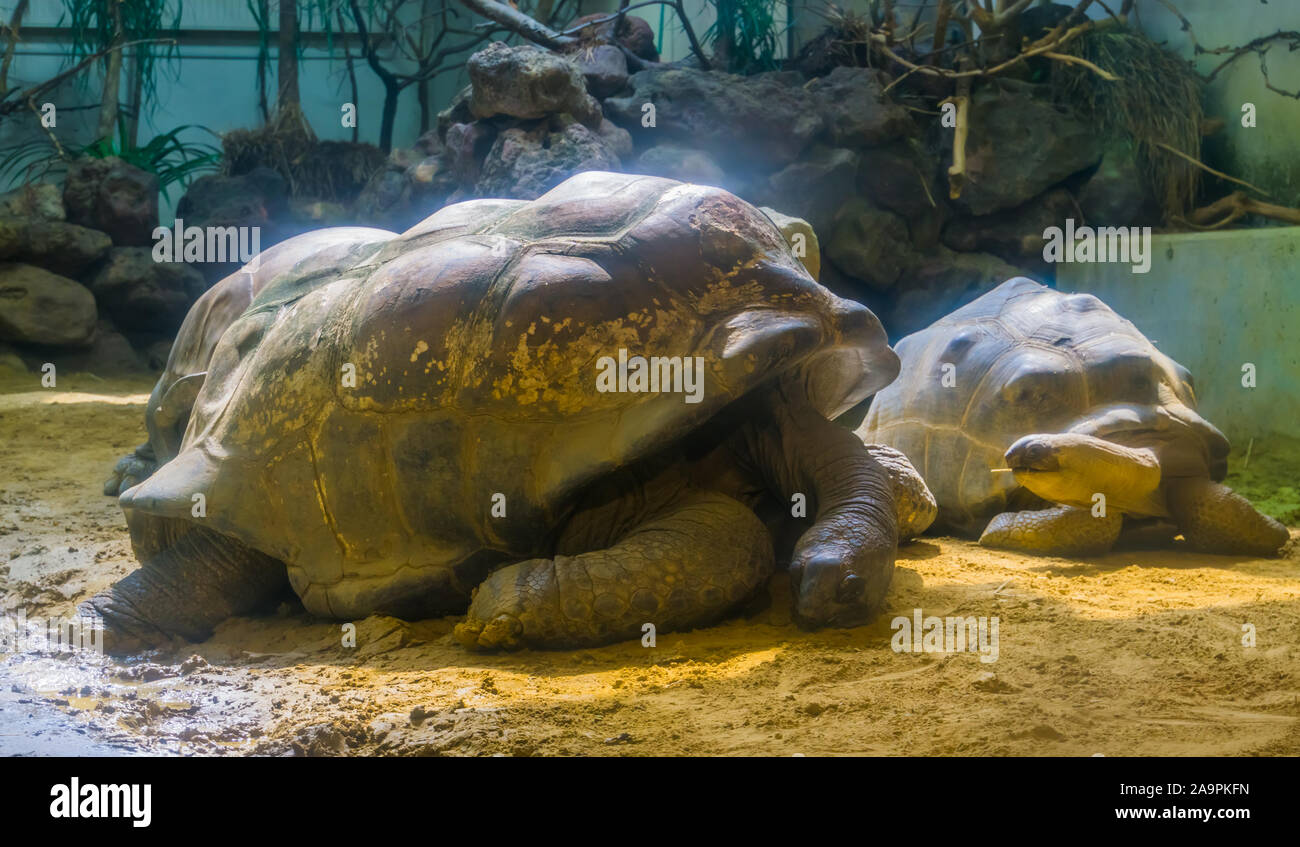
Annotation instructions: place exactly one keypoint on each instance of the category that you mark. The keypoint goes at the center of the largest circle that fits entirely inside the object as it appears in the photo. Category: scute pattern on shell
(1024, 358)
(474, 338)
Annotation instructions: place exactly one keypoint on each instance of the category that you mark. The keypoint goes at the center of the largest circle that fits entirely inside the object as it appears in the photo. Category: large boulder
(856, 110)
(114, 197)
(140, 294)
(899, 177)
(526, 163)
(39, 307)
(467, 146)
(407, 190)
(681, 163)
(634, 33)
(617, 139)
(528, 82)
(869, 243)
(457, 112)
(1019, 145)
(1015, 235)
(11, 363)
(603, 68)
(64, 248)
(258, 199)
(1118, 193)
(36, 200)
(814, 187)
(758, 123)
(108, 352)
(939, 281)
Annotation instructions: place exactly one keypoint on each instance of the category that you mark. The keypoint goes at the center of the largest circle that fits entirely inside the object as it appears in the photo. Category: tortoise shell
(359, 422)
(1019, 360)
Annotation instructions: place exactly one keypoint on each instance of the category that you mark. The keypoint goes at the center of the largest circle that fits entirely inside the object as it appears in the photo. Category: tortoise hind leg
(1216, 519)
(1057, 531)
(688, 564)
(195, 579)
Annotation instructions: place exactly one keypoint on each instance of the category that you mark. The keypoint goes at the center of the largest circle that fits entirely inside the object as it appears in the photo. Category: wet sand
(1134, 653)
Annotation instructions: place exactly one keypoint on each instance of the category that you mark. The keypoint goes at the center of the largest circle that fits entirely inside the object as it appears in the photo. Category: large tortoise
(424, 421)
(1075, 402)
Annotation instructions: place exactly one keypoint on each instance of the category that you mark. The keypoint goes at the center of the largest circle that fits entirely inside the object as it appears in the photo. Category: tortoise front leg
(687, 565)
(842, 565)
(1216, 519)
(132, 469)
(191, 579)
(1056, 531)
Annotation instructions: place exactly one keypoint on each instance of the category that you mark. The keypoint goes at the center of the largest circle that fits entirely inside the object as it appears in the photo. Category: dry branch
(1208, 169)
(1236, 205)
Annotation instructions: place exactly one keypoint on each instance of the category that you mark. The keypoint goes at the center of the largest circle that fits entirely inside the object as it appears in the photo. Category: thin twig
(1078, 60)
(1208, 169)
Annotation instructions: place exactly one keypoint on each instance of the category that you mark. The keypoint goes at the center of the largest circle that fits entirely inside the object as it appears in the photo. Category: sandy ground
(1137, 652)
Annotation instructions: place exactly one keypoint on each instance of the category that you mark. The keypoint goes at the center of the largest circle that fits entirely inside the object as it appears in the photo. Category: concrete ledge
(1215, 301)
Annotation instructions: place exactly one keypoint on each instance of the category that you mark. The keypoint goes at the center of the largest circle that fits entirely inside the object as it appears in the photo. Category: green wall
(1215, 301)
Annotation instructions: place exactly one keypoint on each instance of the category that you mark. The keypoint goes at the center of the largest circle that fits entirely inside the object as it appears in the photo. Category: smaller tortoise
(1076, 402)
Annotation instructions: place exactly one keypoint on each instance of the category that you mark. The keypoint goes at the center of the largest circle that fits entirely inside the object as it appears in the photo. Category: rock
(938, 282)
(318, 213)
(814, 187)
(34, 200)
(801, 237)
(39, 307)
(113, 197)
(64, 248)
(386, 198)
(141, 294)
(457, 112)
(528, 82)
(603, 68)
(428, 144)
(681, 163)
(1015, 235)
(617, 139)
(1020, 145)
(10, 362)
(899, 178)
(257, 199)
(904, 177)
(525, 164)
(857, 112)
(109, 353)
(1118, 194)
(634, 33)
(761, 122)
(869, 243)
(467, 146)
(397, 197)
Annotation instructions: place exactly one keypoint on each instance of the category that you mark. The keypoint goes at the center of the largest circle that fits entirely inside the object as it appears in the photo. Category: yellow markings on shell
(420, 347)
(722, 296)
(562, 375)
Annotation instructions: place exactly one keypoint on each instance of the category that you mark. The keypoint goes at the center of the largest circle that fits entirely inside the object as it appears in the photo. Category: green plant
(744, 35)
(165, 155)
(29, 161)
(96, 24)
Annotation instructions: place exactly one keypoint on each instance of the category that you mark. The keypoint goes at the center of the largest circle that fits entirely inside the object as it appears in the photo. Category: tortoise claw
(500, 633)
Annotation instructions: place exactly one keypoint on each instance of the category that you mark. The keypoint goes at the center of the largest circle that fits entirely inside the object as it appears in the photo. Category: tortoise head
(1127, 452)
(1113, 414)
